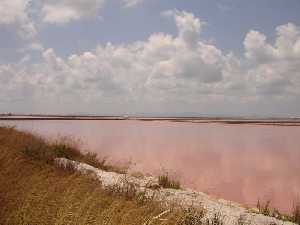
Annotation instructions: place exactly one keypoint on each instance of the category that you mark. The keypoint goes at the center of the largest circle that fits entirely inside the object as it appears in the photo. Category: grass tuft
(265, 209)
(166, 182)
(296, 213)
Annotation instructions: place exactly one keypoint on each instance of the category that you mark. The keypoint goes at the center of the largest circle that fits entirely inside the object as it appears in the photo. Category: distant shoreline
(224, 120)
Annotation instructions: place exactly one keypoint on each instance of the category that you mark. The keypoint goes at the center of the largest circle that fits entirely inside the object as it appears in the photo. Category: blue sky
(187, 56)
(228, 21)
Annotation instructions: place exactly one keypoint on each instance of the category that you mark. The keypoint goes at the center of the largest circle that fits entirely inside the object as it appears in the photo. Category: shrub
(65, 148)
(37, 149)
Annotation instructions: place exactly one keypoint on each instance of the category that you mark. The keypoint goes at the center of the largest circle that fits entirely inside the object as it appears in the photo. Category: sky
(150, 57)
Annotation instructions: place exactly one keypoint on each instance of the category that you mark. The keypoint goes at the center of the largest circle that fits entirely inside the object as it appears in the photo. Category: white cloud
(14, 12)
(156, 70)
(11, 10)
(163, 73)
(65, 11)
(276, 67)
(188, 25)
(257, 49)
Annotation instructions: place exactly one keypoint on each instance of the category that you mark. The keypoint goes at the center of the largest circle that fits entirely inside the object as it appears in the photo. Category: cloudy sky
(205, 57)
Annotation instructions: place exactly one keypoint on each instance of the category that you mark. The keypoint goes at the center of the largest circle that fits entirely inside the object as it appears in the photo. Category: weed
(264, 208)
(166, 182)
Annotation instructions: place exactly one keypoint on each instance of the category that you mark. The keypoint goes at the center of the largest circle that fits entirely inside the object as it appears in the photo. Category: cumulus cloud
(257, 49)
(15, 12)
(163, 73)
(188, 25)
(156, 70)
(64, 11)
(276, 66)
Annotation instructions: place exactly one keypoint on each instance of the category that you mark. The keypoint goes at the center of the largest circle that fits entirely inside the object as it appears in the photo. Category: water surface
(238, 162)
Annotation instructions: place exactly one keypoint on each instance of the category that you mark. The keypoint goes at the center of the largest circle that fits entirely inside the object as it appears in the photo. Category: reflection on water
(242, 163)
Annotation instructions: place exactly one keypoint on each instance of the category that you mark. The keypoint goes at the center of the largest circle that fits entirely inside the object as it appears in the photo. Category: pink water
(238, 162)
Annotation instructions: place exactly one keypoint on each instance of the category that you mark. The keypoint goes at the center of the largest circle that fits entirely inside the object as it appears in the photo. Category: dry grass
(296, 213)
(265, 209)
(34, 191)
(193, 216)
(242, 220)
(38, 148)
